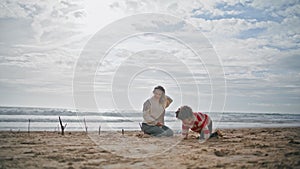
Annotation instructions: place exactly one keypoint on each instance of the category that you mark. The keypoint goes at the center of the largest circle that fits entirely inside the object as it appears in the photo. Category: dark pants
(157, 130)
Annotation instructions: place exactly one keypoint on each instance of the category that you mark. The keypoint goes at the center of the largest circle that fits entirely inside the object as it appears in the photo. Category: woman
(154, 112)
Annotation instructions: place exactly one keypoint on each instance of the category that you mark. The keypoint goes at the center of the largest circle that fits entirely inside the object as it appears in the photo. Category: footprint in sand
(221, 153)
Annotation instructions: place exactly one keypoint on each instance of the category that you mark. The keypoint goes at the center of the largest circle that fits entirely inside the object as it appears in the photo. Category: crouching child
(196, 121)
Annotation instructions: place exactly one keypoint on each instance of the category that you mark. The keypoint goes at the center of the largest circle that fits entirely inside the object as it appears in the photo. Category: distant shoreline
(41, 119)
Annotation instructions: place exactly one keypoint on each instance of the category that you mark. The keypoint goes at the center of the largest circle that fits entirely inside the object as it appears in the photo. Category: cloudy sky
(257, 42)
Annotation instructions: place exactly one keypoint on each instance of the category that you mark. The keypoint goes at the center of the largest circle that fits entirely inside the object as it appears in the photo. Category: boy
(197, 122)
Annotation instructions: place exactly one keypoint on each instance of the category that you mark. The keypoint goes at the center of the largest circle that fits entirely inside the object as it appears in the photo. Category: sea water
(46, 119)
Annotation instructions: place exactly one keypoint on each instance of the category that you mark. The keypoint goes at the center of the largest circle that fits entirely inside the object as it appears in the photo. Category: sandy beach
(238, 148)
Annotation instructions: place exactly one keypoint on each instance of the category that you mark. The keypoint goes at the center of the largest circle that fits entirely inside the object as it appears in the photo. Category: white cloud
(258, 42)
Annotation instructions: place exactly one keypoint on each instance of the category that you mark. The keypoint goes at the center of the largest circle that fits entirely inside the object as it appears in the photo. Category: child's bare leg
(201, 134)
(205, 132)
(210, 127)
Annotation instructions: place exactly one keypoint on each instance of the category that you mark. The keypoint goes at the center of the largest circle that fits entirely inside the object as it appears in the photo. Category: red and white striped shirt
(201, 121)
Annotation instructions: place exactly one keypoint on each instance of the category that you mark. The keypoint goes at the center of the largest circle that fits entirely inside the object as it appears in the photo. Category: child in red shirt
(197, 122)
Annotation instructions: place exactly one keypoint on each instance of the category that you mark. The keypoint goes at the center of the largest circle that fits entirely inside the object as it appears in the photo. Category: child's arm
(185, 131)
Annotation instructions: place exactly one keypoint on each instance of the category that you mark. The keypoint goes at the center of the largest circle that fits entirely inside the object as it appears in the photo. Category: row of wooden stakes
(63, 127)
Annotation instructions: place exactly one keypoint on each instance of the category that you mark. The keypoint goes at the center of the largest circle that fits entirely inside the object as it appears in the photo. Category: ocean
(46, 119)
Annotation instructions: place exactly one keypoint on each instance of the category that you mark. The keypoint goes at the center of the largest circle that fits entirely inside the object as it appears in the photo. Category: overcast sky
(258, 43)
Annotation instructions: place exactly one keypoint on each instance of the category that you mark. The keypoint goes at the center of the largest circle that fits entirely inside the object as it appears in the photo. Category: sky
(257, 44)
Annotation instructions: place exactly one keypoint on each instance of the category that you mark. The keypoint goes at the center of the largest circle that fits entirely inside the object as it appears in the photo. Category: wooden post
(58, 129)
(28, 126)
(123, 132)
(141, 127)
(99, 129)
(62, 127)
(85, 125)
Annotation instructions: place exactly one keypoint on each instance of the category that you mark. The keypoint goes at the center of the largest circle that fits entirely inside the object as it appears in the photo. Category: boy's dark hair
(185, 112)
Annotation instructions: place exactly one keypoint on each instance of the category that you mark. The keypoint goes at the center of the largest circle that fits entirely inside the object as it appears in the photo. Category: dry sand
(238, 148)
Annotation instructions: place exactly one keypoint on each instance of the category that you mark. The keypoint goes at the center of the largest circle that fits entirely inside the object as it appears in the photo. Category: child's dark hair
(184, 112)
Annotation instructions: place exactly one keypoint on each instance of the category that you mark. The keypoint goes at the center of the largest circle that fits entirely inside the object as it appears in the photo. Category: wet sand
(238, 148)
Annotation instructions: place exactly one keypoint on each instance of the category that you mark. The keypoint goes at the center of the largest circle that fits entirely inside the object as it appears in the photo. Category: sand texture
(238, 148)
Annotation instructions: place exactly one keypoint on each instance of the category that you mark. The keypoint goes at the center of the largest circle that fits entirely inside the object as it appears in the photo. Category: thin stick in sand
(86, 128)
(99, 129)
(62, 127)
(58, 129)
(28, 126)
(141, 127)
